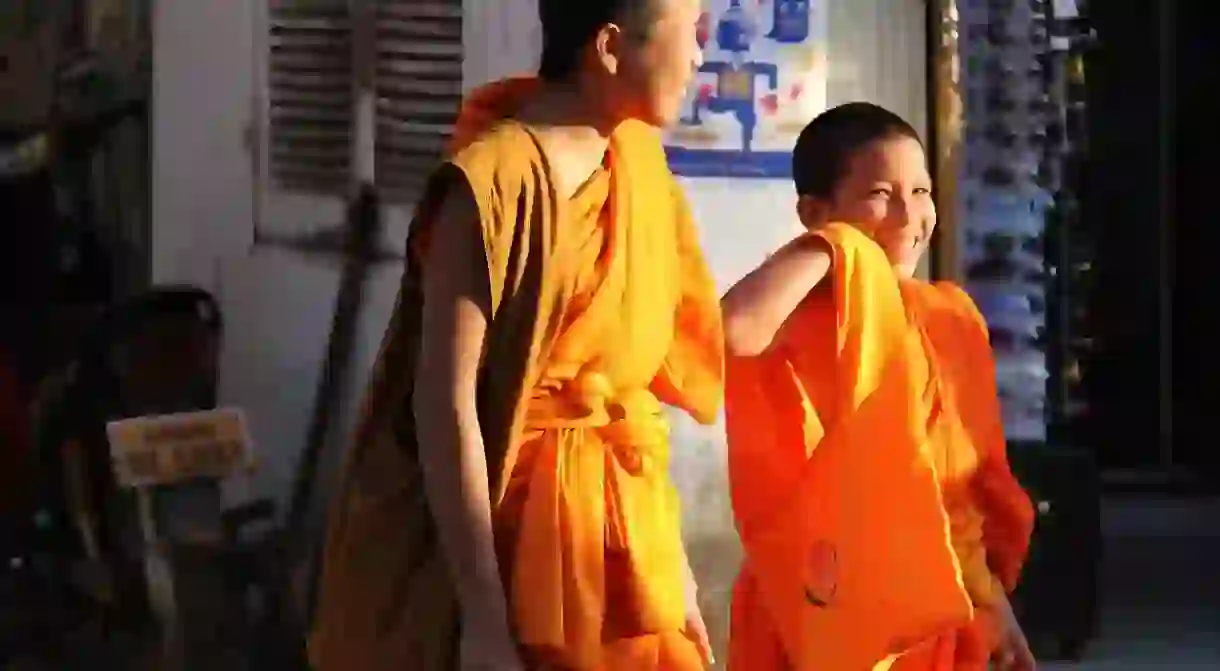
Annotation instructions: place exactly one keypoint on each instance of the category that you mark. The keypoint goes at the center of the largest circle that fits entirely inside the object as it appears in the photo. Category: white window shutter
(304, 82)
(419, 91)
(309, 103)
(354, 89)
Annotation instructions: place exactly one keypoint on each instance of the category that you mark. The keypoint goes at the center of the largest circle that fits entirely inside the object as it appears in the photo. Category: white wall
(278, 303)
(202, 119)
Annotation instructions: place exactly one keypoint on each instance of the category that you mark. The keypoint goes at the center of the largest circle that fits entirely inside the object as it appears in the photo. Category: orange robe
(869, 478)
(603, 309)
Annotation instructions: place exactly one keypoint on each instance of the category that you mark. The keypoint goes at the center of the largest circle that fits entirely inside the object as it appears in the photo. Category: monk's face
(886, 191)
(648, 73)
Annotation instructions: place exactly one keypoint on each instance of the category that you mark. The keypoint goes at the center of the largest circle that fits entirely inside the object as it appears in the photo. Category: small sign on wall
(165, 449)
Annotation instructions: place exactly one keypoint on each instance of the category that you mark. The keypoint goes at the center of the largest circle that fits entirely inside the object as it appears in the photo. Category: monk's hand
(1013, 653)
(696, 629)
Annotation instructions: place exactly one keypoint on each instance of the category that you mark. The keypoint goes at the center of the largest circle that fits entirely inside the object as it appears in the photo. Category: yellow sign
(164, 449)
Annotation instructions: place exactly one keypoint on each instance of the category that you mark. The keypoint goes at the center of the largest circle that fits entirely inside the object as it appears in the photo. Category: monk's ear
(608, 47)
(812, 211)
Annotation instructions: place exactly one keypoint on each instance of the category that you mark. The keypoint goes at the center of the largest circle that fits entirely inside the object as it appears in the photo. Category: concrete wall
(278, 303)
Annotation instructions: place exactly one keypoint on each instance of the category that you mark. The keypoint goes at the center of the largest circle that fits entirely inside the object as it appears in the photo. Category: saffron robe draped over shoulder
(869, 479)
(602, 310)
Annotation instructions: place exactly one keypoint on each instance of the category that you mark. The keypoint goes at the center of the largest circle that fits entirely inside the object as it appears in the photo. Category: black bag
(1057, 598)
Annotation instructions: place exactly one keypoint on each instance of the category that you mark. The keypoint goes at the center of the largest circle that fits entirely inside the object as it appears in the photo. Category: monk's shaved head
(569, 26)
(630, 58)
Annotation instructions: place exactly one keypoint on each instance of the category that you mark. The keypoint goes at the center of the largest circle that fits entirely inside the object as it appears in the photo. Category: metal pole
(945, 131)
(364, 94)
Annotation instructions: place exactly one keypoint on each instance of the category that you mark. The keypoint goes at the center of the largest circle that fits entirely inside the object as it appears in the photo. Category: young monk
(881, 523)
(507, 504)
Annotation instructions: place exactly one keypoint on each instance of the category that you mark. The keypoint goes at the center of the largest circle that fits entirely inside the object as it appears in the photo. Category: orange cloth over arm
(692, 377)
(991, 514)
(958, 335)
(771, 425)
(848, 553)
(1008, 514)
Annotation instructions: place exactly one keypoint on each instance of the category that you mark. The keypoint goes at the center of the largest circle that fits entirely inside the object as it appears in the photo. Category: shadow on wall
(278, 307)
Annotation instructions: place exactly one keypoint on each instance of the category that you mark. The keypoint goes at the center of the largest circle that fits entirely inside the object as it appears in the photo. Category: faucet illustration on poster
(762, 79)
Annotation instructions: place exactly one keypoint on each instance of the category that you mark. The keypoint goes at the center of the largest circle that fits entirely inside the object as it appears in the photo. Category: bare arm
(757, 306)
(454, 323)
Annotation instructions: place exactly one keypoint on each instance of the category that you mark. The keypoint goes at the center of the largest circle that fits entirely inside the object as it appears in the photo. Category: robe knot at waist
(596, 547)
(630, 423)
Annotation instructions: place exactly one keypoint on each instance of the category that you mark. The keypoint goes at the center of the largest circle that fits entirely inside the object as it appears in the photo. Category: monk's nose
(914, 221)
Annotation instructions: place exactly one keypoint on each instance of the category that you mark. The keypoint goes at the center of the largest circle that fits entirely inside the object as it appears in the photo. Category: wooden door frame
(944, 135)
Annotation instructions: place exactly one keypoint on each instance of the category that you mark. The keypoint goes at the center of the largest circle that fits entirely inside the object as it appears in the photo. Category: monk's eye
(921, 191)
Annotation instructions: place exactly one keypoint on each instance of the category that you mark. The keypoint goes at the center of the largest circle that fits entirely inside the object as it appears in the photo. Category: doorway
(1145, 397)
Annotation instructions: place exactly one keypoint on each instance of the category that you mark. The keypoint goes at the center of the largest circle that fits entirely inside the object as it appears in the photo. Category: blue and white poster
(762, 79)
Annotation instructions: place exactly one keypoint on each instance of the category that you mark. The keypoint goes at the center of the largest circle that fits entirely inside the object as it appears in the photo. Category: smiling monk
(881, 522)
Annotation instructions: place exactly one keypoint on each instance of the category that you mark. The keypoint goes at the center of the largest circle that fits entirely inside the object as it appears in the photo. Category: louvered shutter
(309, 110)
(407, 54)
(419, 90)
